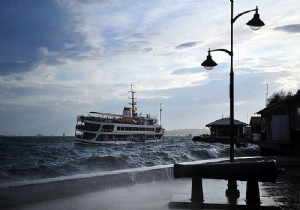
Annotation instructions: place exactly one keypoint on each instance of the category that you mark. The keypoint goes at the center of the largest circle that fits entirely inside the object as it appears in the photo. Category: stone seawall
(37, 190)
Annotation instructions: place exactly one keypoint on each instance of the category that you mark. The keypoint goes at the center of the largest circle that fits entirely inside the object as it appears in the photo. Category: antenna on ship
(160, 110)
(133, 103)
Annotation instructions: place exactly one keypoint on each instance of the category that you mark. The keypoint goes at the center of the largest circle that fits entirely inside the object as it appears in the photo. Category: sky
(63, 58)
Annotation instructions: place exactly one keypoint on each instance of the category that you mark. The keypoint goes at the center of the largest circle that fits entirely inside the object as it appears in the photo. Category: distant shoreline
(172, 132)
(32, 136)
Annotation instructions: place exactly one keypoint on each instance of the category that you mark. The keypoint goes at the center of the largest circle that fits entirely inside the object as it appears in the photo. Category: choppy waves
(27, 158)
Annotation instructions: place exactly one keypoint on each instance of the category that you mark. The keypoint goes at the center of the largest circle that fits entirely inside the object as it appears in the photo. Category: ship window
(88, 136)
(107, 128)
(118, 128)
(100, 138)
(90, 126)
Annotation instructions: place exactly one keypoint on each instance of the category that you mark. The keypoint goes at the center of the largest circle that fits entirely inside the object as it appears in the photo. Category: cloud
(292, 28)
(62, 58)
(27, 27)
(8, 67)
(186, 45)
(181, 71)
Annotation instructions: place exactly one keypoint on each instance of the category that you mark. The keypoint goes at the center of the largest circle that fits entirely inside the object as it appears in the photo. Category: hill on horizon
(185, 132)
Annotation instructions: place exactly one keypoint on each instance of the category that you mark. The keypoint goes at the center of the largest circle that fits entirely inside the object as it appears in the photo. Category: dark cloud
(186, 45)
(27, 26)
(148, 49)
(8, 67)
(138, 36)
(187, 70)
(293, 28)
(13, 78)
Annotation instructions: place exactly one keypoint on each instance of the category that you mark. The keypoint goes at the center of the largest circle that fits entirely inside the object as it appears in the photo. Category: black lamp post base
(232, 192)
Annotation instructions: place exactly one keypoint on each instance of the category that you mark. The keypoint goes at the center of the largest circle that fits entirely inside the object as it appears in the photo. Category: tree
(278, 97)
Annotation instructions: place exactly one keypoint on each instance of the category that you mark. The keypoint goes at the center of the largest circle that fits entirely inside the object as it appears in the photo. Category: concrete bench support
(252, 193)
(197, 190)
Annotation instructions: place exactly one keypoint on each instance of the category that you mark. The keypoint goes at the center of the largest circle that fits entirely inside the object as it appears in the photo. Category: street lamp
(255, 23)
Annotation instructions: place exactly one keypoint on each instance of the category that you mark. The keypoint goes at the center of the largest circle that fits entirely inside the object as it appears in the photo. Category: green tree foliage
(279, 96)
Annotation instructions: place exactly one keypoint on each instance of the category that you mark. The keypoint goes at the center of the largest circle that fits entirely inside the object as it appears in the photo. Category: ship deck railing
(114, 118)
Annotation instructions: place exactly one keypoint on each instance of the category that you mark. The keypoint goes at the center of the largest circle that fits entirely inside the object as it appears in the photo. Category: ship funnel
(127, 112)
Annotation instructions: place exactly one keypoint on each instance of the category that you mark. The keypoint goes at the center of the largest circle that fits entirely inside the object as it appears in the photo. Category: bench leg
(252, 193)
(232, 192)
(197, 190)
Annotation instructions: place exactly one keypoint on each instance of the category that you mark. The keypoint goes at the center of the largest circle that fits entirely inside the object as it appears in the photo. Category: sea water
(29, 158)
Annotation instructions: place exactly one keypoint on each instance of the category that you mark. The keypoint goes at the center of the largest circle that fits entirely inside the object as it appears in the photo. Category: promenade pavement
(156, 195)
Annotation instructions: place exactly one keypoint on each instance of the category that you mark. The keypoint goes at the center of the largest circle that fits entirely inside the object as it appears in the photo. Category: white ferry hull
(84, 141)
(108, 128)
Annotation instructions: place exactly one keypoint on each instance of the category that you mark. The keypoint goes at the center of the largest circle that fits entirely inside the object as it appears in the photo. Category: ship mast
(133, 103)
(160, 110)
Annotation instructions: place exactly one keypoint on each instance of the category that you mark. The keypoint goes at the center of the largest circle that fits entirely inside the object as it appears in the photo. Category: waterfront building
(220, 129)
(281, 127)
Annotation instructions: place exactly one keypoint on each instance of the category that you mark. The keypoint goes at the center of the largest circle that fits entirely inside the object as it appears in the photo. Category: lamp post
(255, 23)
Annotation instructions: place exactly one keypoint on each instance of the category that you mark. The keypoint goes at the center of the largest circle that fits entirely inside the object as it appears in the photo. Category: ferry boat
(108, 128)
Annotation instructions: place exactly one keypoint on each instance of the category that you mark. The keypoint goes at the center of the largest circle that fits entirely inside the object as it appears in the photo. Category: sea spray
(30, 158)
